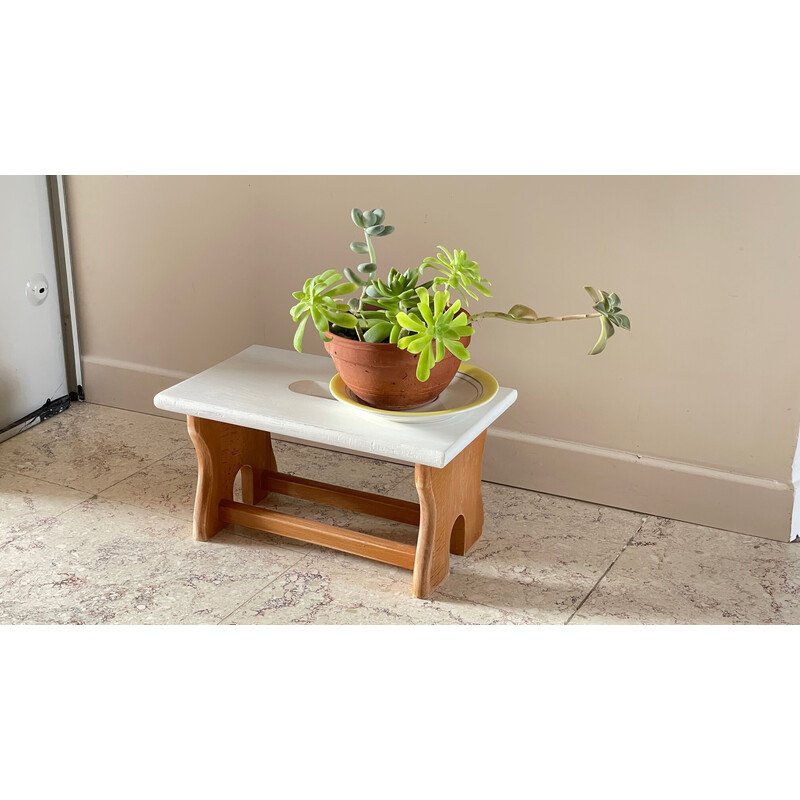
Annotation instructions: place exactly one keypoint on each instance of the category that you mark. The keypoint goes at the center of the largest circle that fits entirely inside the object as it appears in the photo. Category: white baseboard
(659, 487)
(123, 384)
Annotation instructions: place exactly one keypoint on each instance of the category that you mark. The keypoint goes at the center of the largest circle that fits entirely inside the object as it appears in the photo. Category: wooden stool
(233, 407)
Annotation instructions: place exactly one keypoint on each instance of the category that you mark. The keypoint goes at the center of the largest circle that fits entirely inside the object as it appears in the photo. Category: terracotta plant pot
(384, 376)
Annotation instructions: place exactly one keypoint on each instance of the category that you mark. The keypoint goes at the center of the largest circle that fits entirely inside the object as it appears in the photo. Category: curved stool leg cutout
(222, 450)
(451, 515)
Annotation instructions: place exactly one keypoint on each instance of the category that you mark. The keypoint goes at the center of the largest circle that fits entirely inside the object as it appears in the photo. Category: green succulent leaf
(342, 288)
(609, 307)
(357, 216)
(352, 277)
(369, 268)
(359, 247)
(379, 332)
(415, 344)
(457, 349)
(375, 230)
(425, 364)
(622, 321)
(434, 329)
(317, 300)
(379, 214)
(397, 290)
(458, 272)
(341, 318)
(298, 336)
(593, 293)
(606, 330)
(411, 323)
(387, 229)
(522, 312)
(320, 321)
(369, 219)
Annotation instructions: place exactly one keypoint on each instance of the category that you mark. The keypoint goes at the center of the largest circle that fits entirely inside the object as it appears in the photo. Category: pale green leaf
(298, 336)
(457, 349)
(522, 312)
(593, 293)
(424, 364)
(379, 332)
(411, 323)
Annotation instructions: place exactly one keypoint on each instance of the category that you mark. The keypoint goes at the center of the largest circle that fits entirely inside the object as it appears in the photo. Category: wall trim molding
(644, 484)
(648, 485)
(130, 366)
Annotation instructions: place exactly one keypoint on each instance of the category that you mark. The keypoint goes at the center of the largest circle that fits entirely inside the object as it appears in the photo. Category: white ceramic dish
(470, 389)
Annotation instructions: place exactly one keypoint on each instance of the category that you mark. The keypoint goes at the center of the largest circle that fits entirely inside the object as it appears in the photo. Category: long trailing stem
(371, 251)
(530, 320)
(370, 248)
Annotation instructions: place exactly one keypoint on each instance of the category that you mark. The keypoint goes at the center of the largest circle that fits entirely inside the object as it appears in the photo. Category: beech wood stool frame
(449, 512)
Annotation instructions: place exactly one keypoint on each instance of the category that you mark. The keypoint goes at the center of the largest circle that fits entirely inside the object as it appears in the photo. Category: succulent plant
(317, 301)
(458, 272)
(609, 307)
(434, 330)
(417, 316)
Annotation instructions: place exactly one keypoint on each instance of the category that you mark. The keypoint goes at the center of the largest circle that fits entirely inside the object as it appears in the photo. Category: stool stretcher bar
(449, 514)
(375, 505)
(359, 544)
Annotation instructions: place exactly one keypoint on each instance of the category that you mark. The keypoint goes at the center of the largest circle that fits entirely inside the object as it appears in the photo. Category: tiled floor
(95, 527)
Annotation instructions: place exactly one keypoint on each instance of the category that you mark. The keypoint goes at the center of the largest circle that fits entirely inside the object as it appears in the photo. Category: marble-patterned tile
(539, 555)
(341, 469)
(90, 447)
(331, 588)
(26, 503)
(106, 562)
(169, 486)
(678, 573)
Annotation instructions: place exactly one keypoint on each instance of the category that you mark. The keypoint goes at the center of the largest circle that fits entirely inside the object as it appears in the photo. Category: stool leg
(222, 450)
(451, 515)
(259, 457)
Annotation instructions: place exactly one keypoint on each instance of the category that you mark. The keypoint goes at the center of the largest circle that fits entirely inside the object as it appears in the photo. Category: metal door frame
(66, 289)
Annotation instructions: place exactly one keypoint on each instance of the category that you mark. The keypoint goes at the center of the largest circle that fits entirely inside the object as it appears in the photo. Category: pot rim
(358, 342)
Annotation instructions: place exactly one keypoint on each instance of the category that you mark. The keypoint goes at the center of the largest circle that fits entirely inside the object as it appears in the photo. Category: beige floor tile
(539, 555)
(330, 588)
(169, 485)
(129, 557)
(678, 573)
(105, 562)
(91, 447)
(341, 469)
(26, 503)
(538, 559)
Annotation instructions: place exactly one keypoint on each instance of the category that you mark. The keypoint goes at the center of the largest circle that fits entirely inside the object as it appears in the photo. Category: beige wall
(694, 414)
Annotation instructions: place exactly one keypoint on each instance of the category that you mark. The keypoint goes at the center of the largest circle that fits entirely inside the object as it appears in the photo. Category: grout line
(43, 480)
(141, 469)
(178, 518)
(83, 491)
(263, 588)
(608, 569)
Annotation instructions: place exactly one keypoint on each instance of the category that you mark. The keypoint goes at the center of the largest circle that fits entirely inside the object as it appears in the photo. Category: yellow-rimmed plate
(470, 389)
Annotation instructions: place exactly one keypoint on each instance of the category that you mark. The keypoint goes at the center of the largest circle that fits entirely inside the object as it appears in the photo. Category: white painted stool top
(251, 389)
